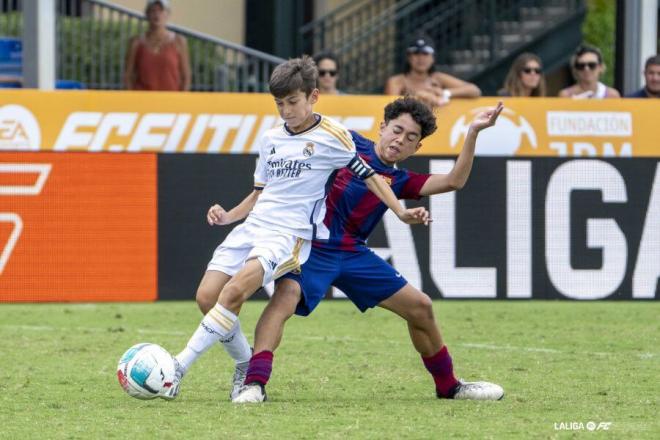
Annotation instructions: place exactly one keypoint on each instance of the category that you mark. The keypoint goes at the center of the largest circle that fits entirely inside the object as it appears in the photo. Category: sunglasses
(323, 72)
(529, 70)
(591, 65)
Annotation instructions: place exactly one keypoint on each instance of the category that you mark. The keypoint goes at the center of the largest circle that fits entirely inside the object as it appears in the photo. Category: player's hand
(217, 216)
(488, 118)
(416, 216)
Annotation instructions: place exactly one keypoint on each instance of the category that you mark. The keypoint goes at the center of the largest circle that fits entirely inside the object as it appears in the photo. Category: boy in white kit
(285, 211)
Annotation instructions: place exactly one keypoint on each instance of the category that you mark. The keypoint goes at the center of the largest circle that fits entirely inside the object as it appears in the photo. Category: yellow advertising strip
(167, 122)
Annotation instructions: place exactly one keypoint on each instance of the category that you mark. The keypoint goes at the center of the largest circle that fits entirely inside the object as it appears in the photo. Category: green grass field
(338, 373)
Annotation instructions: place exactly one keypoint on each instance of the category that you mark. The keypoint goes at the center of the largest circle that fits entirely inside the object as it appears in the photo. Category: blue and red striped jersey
(352, 211)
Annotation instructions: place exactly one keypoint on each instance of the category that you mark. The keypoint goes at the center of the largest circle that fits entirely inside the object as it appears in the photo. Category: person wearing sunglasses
(525, 78)
(328, 66)
(652, 78)
(420, 79)
(587, 65)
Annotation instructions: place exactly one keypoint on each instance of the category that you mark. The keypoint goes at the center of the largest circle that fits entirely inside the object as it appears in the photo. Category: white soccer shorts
(278, 252)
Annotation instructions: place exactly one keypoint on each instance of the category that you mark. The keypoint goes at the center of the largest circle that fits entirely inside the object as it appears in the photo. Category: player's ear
(419, 145)
(314, 96)
(382, 126)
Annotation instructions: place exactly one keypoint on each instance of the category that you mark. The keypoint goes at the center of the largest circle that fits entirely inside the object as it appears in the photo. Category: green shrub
(92, 50)
(599, 29)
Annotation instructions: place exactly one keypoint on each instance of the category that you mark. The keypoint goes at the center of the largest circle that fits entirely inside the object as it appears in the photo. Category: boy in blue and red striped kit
(345, 261)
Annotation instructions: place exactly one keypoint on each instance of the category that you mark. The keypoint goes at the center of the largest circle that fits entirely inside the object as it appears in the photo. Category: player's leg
(294, 293)
(221, 324)
(268, 334)
(368, 281)
(238, 347)
(282, 305)
(270, 254)
(417, 309)
(209, 289)
(228, 259)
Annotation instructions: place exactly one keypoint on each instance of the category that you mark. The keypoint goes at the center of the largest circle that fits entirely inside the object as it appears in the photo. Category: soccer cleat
(239, 377)
(251, 393)
(477, 391)
(173, 391)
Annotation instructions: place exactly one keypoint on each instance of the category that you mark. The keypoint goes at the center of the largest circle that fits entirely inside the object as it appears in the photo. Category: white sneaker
(173, 391)
(239, 378)
(478, 391)
(252, 393)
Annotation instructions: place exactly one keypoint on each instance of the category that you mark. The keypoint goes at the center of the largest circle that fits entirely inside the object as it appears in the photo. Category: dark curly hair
(420, 112)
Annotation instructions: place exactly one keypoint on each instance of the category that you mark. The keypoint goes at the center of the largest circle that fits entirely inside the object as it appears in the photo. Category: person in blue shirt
(652, 77)
(345, 261)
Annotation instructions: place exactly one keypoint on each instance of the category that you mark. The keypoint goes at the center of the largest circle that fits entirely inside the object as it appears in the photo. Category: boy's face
(295, 107)
(399, 139)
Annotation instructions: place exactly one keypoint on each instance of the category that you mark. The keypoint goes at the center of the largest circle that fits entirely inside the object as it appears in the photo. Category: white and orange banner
(78, 227)
(100, 121)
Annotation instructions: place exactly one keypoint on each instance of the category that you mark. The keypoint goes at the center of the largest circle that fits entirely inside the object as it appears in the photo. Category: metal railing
(370, 37)
(93, 36)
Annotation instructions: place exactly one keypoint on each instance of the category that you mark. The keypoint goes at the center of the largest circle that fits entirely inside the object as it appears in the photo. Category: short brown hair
(652, 61)
(293, 75)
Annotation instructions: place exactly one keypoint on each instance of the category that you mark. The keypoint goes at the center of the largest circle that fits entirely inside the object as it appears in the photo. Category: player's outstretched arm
(382, 190)
(216, 214)
(458, 176)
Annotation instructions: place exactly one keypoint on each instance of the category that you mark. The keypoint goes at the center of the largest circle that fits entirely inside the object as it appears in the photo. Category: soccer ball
(146, 371)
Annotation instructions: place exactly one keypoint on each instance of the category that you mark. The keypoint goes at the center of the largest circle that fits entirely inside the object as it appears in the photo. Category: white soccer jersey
(294, 170)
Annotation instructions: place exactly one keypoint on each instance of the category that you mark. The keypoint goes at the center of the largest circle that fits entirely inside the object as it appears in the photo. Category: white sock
(215, 326)
(237, 345)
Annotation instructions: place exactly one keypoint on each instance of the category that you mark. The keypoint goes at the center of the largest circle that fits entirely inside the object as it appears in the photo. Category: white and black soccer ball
(146, 371)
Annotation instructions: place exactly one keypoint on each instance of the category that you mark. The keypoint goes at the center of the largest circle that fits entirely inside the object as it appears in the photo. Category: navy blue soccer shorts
(363, 276)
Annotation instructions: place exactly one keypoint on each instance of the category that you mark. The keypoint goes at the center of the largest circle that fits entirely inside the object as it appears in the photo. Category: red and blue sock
(260, 367)
(441, 368)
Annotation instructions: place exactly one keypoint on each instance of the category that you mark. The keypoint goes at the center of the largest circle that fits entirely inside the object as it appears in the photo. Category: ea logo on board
(503, 139)
(19, 129)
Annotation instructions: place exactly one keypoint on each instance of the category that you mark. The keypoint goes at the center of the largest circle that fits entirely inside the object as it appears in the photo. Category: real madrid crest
(308, 151)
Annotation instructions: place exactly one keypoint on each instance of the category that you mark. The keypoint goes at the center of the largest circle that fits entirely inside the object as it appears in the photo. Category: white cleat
(478, 391)
(173, 390)
(252, 393)
(239, 378)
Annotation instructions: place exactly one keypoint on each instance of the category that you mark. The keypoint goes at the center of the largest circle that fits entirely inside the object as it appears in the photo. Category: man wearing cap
(420, 80)
(157, 60)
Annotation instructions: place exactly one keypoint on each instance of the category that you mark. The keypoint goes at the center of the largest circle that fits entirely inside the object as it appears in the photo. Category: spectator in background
(420, 80)
(652, 77)
(525, 78)
(328, 66)
(587, 65)
(157, 60)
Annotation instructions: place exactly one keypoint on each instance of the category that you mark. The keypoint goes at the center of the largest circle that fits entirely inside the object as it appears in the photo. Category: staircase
(475, 39)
